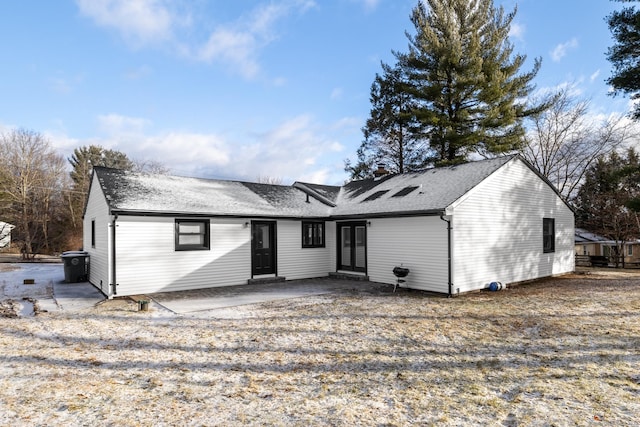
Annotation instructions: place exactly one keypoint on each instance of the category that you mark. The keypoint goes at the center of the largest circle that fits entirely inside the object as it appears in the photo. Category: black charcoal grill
(400, 273)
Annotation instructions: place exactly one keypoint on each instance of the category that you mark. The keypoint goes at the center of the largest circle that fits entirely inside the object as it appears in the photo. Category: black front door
(352, 246)
(263, 247)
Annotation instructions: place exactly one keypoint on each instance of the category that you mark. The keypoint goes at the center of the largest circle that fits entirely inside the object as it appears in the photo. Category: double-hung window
(548, 235)
(313, 234)
(192, 234)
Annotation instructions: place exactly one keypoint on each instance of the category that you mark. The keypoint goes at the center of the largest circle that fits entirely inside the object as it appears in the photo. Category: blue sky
(245, 89)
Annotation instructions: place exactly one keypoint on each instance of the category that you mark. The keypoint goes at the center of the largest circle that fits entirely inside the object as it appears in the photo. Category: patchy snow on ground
(562, 351)
(13, 276)
(21, 285)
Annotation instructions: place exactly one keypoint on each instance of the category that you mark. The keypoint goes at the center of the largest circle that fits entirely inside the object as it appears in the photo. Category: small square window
(313, 234)
(548, 235)
(192, 235)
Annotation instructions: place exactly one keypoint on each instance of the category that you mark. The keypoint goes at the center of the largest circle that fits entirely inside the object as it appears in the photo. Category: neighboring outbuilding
(5, 234)
(456, 229)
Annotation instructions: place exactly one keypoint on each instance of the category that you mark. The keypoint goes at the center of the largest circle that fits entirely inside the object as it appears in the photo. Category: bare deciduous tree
(565, 140)
(150, 166)
(31, 184)
(271, 180)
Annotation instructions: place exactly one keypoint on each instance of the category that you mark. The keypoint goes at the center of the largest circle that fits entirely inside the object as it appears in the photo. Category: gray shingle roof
(430, 190)
(164, 194)
(437, 188)
(584, 236)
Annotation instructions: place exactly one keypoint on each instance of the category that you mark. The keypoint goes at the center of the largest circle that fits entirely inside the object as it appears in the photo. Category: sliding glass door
(352, 246)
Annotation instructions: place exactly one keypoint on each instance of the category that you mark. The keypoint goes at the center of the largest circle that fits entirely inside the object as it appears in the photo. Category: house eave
(182, 214)
(428, 212)
(341, 217)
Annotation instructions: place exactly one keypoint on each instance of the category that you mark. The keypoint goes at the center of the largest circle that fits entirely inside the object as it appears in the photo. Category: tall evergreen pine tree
(464, 75)
(461, 89)
(391, 134)
(624, 55)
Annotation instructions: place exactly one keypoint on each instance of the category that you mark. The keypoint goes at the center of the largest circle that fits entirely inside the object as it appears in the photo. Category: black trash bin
(76, 266)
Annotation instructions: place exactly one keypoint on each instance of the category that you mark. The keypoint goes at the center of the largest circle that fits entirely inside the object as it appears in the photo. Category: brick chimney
(381, 171)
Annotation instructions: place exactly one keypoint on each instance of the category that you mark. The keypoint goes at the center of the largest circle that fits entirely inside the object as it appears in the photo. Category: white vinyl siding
(296, 262)
(97, 211)
(148, 262)
(498, 230)
(417, 243)
(331, 242)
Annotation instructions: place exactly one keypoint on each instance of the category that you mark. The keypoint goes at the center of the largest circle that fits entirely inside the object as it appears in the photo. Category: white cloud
(594, 76)
(116, 124)
(263, 18)
(160, 23)
(318, 176)
(336, 93)
(572, 87)
(64, 84)
(369, 5)
(348, 124)
(237, 49)
(140, 22)
(177, 150)
(517, 31)
(63, 143)
(295, 149)
(238, 44)
(560, 51)
(181, 150)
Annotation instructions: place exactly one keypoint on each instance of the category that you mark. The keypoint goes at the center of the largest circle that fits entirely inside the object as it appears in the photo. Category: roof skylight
(405, 191)
(376, 195)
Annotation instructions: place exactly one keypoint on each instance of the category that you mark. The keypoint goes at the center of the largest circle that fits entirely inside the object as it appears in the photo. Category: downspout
(442, 217)
(114, 283)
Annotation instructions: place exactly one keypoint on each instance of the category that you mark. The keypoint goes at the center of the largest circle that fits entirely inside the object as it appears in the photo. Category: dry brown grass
(557, 352)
